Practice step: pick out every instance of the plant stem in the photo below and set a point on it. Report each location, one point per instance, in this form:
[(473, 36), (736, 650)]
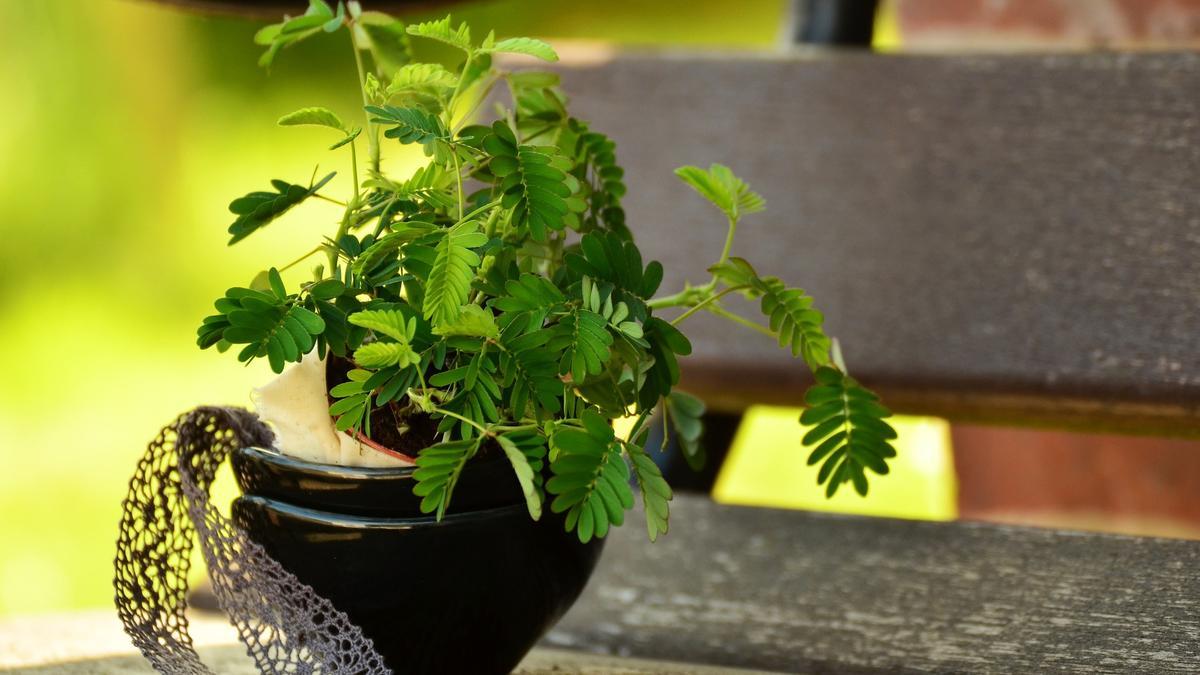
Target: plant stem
[(372, 135), (480, 427), (300, 259), (724, 313), (458, 177), (331, 200), (478, 211), (728, 241), (681, 299), (707, 302)]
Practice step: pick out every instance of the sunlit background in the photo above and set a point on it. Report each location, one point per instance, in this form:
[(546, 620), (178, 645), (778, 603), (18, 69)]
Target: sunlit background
[(126, 127)]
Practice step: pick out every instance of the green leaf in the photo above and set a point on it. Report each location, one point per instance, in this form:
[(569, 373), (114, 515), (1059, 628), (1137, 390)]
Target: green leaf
[(327, 289), (530, 370), (319, 17), (450, 276), (848, 432), (735, 272), (384, 354), (472, 321), (609, 257), (795, 322), (534, 183), (317, 116), (405, 232), (438, 469), (526, 46), (525, 474), (656, 494), (268, 324), (386, 322), (583, 339), (686, 413), (532, 294), (257, 209), (590, 478), (425, 85), (442, 31), (387, 40), (430, 183), (411, 125), (665, 343), (719, 186)]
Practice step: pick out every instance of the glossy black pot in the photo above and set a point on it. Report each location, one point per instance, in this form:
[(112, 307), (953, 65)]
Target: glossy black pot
[(471, 594)]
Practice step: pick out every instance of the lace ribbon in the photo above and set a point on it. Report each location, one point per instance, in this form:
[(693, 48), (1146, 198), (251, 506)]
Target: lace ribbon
[(285, 625)]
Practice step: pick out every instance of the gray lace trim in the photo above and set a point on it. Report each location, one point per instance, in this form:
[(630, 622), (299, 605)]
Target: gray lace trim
[(285, 625)]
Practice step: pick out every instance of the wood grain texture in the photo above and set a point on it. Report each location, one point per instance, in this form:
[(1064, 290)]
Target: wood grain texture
[(802, 592), (993, 238)]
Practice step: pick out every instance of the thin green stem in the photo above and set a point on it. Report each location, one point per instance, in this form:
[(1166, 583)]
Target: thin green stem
[(458, 177), (477, 425), (372, 132), (683, 298), (707, 302), (301, 258), (354, 168), (724, 313), (331, 200), (733, 223), (485, 207)]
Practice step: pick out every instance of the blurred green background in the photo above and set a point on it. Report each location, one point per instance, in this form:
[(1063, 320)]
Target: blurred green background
[(126, 128)]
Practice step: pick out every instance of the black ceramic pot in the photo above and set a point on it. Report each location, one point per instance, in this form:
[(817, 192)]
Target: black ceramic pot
[(471, 594)]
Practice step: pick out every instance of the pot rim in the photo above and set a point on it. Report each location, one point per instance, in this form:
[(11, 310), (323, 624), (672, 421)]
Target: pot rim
[(277, 458), (352, 522)]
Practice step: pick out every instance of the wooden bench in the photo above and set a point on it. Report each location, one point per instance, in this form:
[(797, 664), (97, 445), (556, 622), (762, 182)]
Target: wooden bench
[(999, 239)]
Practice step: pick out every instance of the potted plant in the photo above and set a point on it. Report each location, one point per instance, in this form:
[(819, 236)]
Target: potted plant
[(445, 465)]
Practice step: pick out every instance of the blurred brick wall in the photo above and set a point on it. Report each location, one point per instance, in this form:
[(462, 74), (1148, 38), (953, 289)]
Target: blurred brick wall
[(1048, 24)]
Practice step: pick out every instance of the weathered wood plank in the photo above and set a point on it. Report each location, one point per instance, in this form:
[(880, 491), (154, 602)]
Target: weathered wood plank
[(995, 238), (801, 592), (91, 643)]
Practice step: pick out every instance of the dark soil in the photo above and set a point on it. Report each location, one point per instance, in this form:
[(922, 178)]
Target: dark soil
[(387, 420)]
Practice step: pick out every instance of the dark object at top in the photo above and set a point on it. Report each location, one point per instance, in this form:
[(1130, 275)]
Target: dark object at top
[(836, 23)]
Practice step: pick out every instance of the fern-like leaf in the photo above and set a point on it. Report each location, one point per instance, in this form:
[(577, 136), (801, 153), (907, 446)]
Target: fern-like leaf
[(591, 479), (268, 324), (686, 413), (425, 85), (583, 339), (665, 343), (530, 370), (442, 31), (257, 209), (438, 469), (531, 294), (656, 493), (525, 452), (450, 275), (792, 318), (848, 430), (472, 321), (527, 46), (534, 183), (411, 125), (728, 192), (609, 257)]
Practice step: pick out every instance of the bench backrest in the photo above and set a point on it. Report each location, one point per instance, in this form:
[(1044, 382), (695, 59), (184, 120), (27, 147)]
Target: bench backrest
[(994, 238)]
